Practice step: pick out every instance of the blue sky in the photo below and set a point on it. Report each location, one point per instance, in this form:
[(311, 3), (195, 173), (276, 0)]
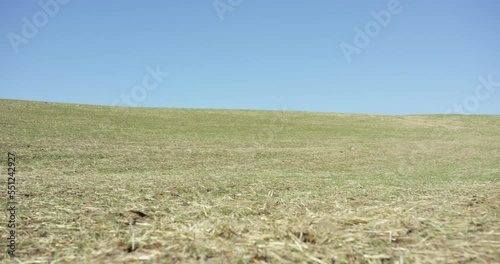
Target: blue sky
[(429, 57)]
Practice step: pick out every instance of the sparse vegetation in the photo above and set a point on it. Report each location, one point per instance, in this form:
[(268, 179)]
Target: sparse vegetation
[(132, 185)]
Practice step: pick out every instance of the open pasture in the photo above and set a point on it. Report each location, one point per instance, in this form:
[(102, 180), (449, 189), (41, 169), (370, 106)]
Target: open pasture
[(147, 185)]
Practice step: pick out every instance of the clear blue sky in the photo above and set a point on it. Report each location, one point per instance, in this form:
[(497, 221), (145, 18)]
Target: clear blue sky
[(272, 55)]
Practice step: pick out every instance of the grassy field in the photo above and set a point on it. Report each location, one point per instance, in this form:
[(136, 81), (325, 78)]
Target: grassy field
[(131, 185)]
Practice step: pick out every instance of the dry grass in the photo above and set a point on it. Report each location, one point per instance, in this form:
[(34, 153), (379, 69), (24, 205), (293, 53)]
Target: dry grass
[(117, 185)]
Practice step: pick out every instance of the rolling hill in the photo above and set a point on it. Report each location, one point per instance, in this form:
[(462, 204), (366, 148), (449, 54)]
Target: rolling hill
[(102, 184)]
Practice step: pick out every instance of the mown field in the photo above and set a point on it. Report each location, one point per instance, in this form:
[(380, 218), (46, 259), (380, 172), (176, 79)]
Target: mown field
[(132, 185)]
